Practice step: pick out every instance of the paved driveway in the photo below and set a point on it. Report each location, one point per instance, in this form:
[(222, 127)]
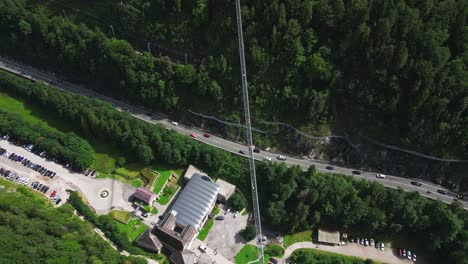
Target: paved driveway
[(224, 235), (119, 192), (350, 249)]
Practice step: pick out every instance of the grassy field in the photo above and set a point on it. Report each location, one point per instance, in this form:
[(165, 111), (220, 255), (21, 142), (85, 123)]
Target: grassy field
[(298, 237), (249, 253), (274, 250), (133, 229), (121, 216), (206, 229), (164, 174)]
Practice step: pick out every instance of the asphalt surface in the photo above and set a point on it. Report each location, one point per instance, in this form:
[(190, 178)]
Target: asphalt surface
[(427, 189)]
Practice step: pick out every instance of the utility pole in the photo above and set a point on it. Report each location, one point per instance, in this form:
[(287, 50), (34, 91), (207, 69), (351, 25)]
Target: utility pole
[(149, 48), (253, 178), (64, 15), (112, 28)]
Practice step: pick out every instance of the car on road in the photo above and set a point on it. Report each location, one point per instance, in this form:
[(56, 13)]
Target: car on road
[(267, 158), (207, 135), (329, 168), (53, 83), (442, 191), (380, 176), (242, 152), (274, 261), (219, 217), (415, 183), (174, 123), (149, 114), (281, 157), (256, 150), (356, 172), (193, 135)]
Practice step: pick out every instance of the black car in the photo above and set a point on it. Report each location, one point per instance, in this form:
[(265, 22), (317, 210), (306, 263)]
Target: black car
[(220, 218), (58, 201), (53, 83), (356, 172), (256, 150), (274, 261), (45, 189), (329, 168), (242, 152), (442, 191), (149, 114), (415, 183)]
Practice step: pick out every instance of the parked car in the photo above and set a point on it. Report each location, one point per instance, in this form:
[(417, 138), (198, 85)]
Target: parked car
[(409, 254), (356, 172), (281, 157), (267, 158), (193, 135), (274, 261), (414, 257), (371, 242), (203, 248), (415, 183), (256, 150), (380, 176), (219, 217), (242, 152), (329, 168), (207, 135), (382, 246), (52, 194), (58, 201), (174, 123), (400, 252), (442, 191)]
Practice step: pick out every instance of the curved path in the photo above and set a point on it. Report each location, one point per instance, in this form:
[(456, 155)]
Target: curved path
[(427, 189)]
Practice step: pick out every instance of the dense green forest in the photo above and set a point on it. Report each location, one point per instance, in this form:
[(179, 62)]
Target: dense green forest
[(32, 231), (64, 148), (394, 70), (292, 199)]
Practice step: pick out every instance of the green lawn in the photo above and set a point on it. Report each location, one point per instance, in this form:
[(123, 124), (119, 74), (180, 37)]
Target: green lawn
[(166, 195), (206, 229), (133, 229), (274, 250), (298, 237), (121, 216), (164, 174), (249, 253)]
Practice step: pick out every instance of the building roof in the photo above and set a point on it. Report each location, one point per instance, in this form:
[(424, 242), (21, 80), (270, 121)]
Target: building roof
[(174, 240), (191, 170), (169, 221), (144, 194), (226, 188), (149, 241), (184, 257), (195, 201), (327, 236)]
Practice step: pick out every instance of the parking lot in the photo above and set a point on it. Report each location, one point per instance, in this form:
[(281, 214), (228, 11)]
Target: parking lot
[(224, 236), (118, 192), (57, 184)]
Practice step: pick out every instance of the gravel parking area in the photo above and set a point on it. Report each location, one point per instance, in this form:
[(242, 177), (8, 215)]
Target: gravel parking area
[(119, 192), (224, 236)]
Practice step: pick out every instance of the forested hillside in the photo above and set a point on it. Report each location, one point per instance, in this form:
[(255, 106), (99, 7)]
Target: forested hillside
[(32, 231), (393, 70), (291, 199)]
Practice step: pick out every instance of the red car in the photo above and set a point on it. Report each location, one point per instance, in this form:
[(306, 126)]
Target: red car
[(207, 135), (193, 135), (400, 252), (52, 194)]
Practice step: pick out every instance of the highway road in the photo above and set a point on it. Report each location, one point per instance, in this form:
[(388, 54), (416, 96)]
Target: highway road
[(427, 189)]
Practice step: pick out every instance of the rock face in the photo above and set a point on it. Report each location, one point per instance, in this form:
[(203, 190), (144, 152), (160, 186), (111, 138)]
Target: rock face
[(349, 150)]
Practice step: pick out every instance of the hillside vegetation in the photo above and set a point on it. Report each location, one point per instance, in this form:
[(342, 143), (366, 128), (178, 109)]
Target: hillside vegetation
[(292, 200), (32, 231), (394, 70)]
